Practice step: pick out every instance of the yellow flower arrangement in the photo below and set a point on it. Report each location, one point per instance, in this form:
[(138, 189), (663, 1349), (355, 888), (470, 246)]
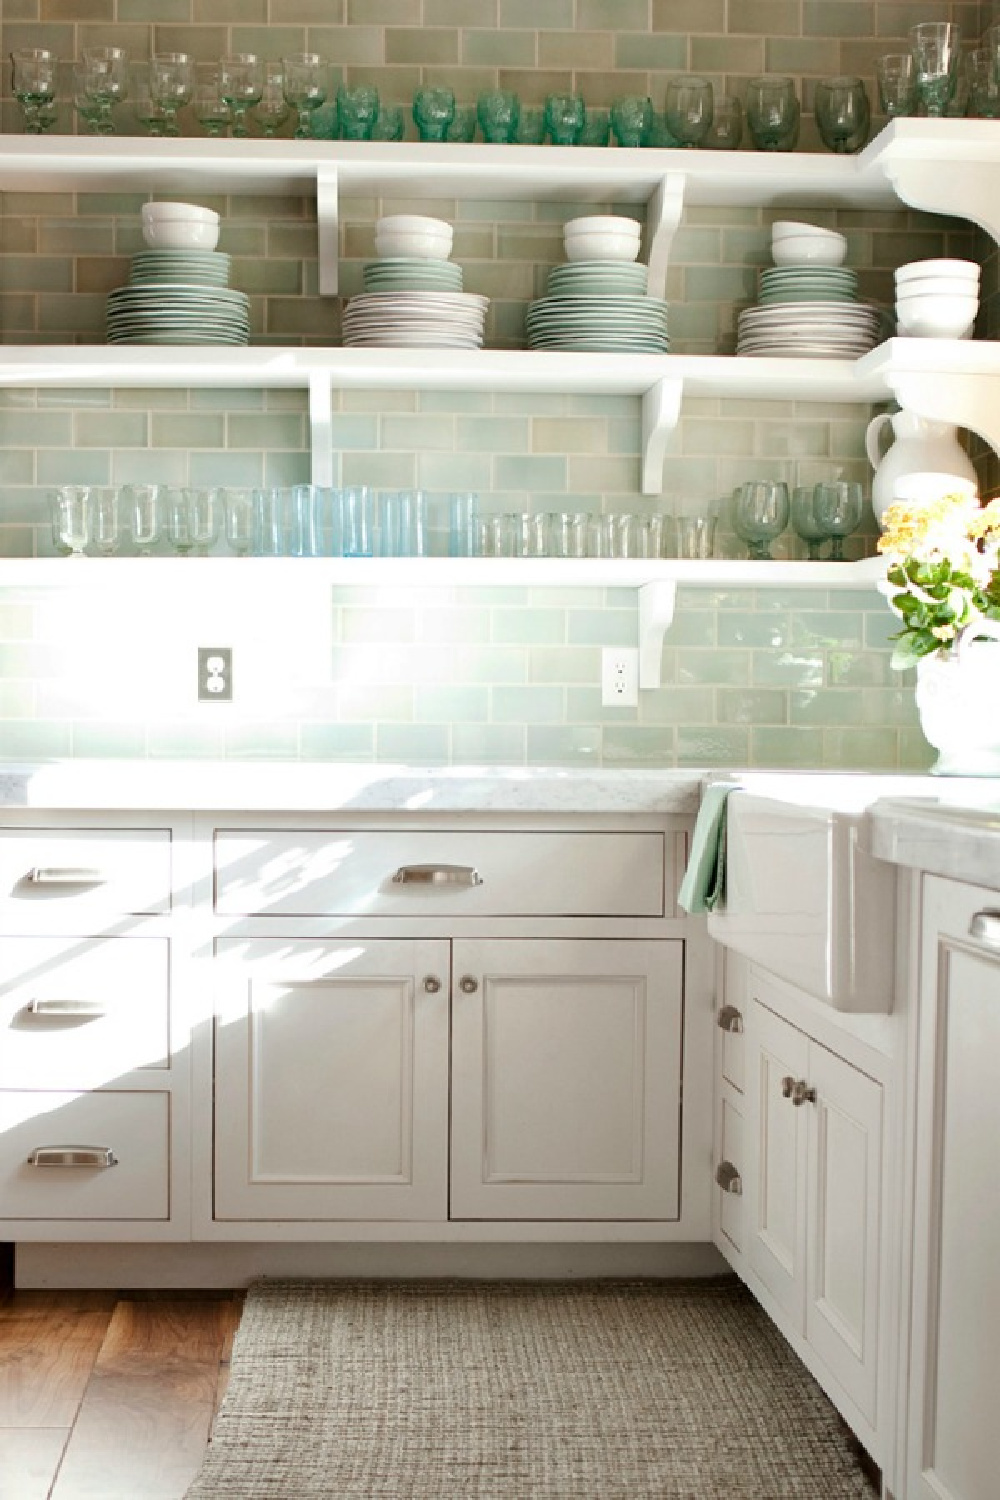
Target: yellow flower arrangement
[(943, 577)]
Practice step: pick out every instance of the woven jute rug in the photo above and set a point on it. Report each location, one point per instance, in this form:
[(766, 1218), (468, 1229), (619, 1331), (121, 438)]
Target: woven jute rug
[(568, 1391)]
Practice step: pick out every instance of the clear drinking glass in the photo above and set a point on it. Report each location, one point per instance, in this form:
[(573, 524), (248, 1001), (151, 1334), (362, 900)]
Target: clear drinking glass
[(689, 108), (843, 114), (984, 84), (805, 522), (498, 111), (304, 79), (726, 130), (70, 509), (271, 110), (463, 524), (631, 117), (237, 504), (897, 83), (34, 82), (357, 521), (171, 85), (179, 520), (773, 112), (357, 110), (936, 49), (209, 107), (241, 84), (104, 529), (839, 506), (268, 521), (433, 112), (565, 116), (761, 509), (106, 79), (696, 536), (91, 112), (142, 504), (147, 109)]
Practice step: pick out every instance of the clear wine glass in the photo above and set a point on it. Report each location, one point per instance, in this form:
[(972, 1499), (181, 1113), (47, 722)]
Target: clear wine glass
[(271, 110), (305, 88), (843, 113), (241, 85), (936, 47), (804, 521), (34, 81), (209, 107), (90, 111), (106, 81), (70, 510), (773, 112), (689, 109), (171, 85), (761, 508), (839, 506)]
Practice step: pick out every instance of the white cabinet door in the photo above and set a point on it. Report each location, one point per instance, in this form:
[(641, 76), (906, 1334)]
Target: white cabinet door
[(955, 1385), (776, 1148), (566, 1079), (331, 1079)]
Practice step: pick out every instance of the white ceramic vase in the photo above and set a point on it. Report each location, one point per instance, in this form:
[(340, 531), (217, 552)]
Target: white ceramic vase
[(958, 699)]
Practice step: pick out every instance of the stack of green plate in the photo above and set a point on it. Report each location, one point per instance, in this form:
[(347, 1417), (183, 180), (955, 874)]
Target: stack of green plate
[(163, 312), (807, 284), (411, 274), (187, 267), (598, 278), (602, 324)]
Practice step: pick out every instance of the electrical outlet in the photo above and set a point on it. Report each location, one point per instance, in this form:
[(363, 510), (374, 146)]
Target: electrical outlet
[(620, 677), (215, 674)]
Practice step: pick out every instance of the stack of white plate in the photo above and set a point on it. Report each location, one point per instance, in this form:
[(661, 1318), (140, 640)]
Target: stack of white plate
[(810, 330), (415, 320), (598, 305), (411, 273), (178, 296), (807, 284)]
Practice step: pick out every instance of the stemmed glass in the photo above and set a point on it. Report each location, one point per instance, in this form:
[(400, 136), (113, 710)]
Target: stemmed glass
[(305, 88), (148, 110), (210, 108), (804, 520), (936, 49), (631, 118), (70, 509), (241, 84), (171, 85), (34, 79), (760, 513), (565, 116), (843, 113), (433, 112), (89, 109), (838, 507), (143, 504), (105, 81), (689, 109), (357, 111), (773, 112), (271, 110), (498, 111)]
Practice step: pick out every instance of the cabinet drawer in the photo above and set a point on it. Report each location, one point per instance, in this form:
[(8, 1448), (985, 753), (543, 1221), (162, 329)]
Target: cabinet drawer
[(80, 1012), (133, 1126), (51, 879), (467, 873)]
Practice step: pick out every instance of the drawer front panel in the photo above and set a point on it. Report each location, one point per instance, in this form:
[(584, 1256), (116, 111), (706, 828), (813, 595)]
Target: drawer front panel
[(52, 879), (134, 1127), (343, 873), (80, 1012)]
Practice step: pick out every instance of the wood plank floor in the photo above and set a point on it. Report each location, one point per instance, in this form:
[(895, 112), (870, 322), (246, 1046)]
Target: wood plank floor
[(109, 1397)]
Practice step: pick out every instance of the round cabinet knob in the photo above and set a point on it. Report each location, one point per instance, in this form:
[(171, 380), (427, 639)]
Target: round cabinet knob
[(468, 985), (432, 984)]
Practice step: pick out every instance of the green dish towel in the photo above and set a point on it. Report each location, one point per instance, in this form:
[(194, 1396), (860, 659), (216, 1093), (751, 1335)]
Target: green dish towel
[(704, 883)]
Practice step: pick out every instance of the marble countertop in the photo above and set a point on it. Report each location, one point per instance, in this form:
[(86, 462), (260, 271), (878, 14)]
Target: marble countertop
[(954, 831)]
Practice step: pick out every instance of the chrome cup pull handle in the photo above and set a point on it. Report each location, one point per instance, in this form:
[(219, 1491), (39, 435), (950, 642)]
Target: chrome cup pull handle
[(84, 1010), (728, 1178), (985, 927), (460, 875), (66, 875), (729, 1019), (73, 1156)]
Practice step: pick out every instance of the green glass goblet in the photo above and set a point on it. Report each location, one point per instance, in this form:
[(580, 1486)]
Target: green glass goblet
[(565, 117), (805, 523), (631, 117), (357, 110), (498, 111), (839, 506), (936, 47), (433, 112), (843, 114), (34, 81), (761, 509)]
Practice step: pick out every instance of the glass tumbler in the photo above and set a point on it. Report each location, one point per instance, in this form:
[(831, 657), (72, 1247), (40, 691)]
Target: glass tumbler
[(726, 130), (761, 509), (357, 111), (936, 49), (238, 510), (689, 107), (142, 503), (104, 530), (565, 116), (843, 114), (773, 112), (897, 84), (70, 511), (984, 84), (433, 112), (498, 111)]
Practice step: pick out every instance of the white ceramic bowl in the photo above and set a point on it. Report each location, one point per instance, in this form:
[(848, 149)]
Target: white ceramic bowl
[(602, 245), (412, 245), (937, 317), (412, 224), (603, 223), (938, 286), (809, 250), (180, 234), (152, 211), (917, 270), (783, 229)]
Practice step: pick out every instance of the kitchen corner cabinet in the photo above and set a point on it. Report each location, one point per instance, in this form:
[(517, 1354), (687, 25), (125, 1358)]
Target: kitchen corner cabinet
[(954, 1351)]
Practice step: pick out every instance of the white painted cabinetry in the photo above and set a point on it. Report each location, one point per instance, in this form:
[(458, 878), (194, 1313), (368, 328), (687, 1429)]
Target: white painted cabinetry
[(954, 1382)]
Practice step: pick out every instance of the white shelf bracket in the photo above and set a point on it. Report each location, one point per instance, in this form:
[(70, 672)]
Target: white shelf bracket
[(967, 400), (661, 409), (328, 229), (662, 219), (656, 614), (321, 426), (962, 189)]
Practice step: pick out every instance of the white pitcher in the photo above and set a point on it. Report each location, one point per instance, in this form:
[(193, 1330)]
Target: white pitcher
[(921, 446)]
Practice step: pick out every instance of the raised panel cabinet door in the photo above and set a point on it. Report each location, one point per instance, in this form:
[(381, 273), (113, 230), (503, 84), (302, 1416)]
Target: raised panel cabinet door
[(844, 1223), (955, 1384), (776, 1138), (331, 1079), (566, 1070)]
